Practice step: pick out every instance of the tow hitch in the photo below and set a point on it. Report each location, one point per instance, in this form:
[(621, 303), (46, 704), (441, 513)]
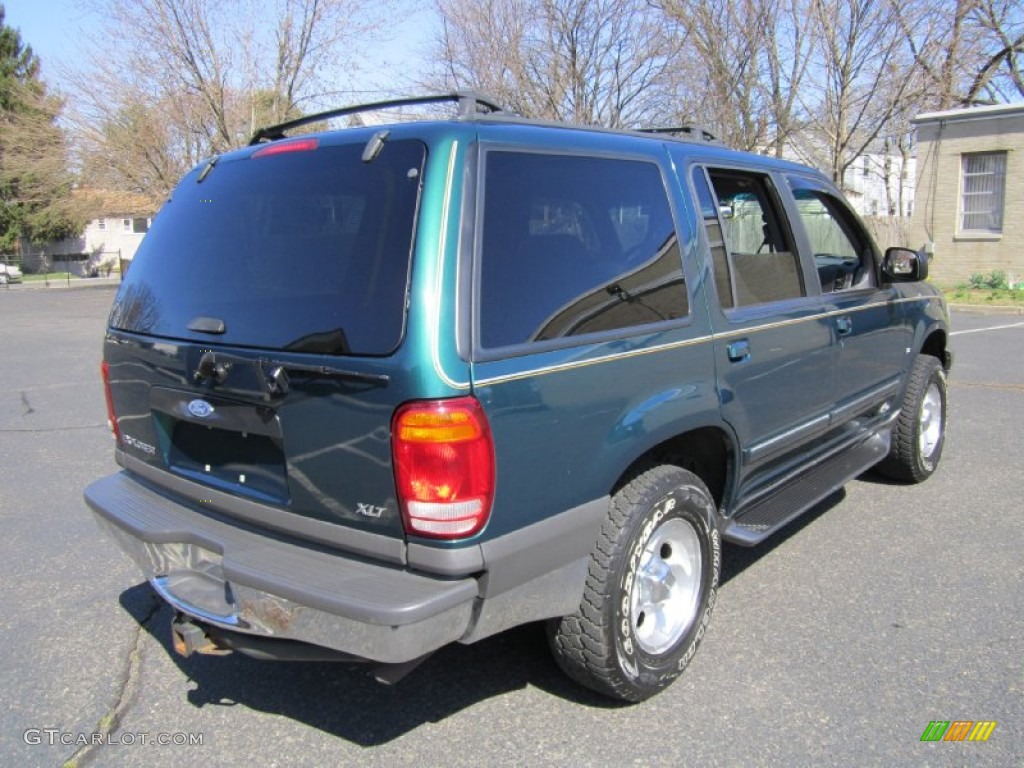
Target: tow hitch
[(190, 636)]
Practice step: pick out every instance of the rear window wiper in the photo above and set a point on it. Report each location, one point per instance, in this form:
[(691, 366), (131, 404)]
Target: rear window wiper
[(379, 379), (273, 374)]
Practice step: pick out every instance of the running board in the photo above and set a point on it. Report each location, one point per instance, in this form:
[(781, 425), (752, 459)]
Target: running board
[(766, 514)]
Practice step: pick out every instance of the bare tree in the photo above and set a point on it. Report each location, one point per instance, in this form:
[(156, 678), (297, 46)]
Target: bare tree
[(193, 78), (729, 40), (788, 54), (142, 146), (481, 45), (863, 73), (306, 40), (1001, 23), (937, 36), (741, 69), (604, 62), (968, 51)]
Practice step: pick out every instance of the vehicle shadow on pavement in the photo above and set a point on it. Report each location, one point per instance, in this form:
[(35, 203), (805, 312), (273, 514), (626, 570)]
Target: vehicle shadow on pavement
[(875, 477), (344, 699), (736, 559)]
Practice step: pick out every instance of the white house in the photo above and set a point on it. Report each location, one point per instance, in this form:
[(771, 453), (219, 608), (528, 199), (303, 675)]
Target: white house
[(111, 238), (878, 183), (881, 185)]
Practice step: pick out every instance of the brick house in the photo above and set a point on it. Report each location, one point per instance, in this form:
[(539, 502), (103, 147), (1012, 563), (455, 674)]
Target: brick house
[(969, 211)]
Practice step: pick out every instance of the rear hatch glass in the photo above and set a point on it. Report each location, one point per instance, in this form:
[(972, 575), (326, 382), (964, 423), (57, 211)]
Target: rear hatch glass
[(304, 251)]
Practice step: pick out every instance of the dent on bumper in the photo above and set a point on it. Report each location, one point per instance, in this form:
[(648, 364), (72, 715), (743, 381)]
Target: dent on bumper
[(251, 582)]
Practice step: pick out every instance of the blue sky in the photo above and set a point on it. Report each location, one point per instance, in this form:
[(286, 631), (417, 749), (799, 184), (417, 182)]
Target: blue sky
[(55, 29), (52, 27)]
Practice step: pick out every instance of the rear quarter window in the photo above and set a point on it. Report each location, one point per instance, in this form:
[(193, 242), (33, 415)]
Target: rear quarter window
[(574, 245)]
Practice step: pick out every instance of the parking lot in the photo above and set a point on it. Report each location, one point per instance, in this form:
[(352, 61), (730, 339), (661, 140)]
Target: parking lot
[(836, 642)]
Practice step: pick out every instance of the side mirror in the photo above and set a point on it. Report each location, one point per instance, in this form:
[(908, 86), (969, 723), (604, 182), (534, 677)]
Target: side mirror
[(903, 265)]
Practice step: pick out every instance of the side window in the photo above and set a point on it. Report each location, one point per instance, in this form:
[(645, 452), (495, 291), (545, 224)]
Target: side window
[(716, 240), (842, 253), (574, 245), (762, 263)]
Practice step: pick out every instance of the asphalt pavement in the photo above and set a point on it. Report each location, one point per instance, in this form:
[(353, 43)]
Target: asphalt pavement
[(836, 642)]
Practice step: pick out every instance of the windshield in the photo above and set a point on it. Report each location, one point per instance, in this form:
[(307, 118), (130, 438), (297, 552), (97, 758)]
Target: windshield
[(305, 251)]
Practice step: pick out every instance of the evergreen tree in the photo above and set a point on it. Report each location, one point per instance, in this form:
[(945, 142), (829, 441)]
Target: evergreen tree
[(35, 184)]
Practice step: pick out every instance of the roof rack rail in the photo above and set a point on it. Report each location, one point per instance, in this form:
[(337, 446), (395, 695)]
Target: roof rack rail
[(470, 103), (691, 131)]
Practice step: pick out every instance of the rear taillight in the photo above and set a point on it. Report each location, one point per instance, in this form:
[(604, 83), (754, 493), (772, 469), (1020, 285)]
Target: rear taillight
[(444, 467), (111, 416)]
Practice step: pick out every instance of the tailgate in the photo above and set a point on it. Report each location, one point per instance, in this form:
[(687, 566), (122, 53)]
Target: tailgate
[(316, 444), (249, 344)]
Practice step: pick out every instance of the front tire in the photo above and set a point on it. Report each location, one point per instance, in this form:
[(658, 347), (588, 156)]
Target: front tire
[(920, 430), (650, 588)]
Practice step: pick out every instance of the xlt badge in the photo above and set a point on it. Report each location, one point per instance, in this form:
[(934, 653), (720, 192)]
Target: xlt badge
[(369, 510)]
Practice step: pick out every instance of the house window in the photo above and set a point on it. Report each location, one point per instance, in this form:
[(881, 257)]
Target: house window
[(983, 179), (867, 167), (140, 226), (101, 224), (126, 225)]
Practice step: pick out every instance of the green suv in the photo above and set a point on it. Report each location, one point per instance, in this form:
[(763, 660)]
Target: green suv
[(380, 389)]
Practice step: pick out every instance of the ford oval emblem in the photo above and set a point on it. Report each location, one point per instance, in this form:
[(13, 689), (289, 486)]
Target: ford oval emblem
[(200, 408)]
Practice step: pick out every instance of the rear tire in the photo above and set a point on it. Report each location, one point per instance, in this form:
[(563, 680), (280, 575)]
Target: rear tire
[(919, 433), (650, 588)]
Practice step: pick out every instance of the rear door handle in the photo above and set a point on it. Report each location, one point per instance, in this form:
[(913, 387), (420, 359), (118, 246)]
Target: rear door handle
[(738, 351), (844, 325)]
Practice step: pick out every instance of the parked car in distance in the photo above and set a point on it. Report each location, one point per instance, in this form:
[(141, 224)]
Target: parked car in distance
[(380, 389), (9, 273)]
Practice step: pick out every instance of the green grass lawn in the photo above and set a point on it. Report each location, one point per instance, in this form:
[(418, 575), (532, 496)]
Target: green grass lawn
[(1005, 297)]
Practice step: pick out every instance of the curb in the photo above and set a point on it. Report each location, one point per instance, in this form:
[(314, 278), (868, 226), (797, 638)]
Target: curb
[(61, 285), (988, 309)]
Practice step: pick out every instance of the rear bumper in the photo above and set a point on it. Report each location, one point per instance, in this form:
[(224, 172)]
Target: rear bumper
[(229, 574), (249, 581)]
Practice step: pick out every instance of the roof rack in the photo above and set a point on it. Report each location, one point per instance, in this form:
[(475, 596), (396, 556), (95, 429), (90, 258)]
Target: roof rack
[(690, 131), (470, 104)]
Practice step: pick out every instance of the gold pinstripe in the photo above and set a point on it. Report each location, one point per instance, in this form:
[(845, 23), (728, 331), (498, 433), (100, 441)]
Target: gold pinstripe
[(560, 367)]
